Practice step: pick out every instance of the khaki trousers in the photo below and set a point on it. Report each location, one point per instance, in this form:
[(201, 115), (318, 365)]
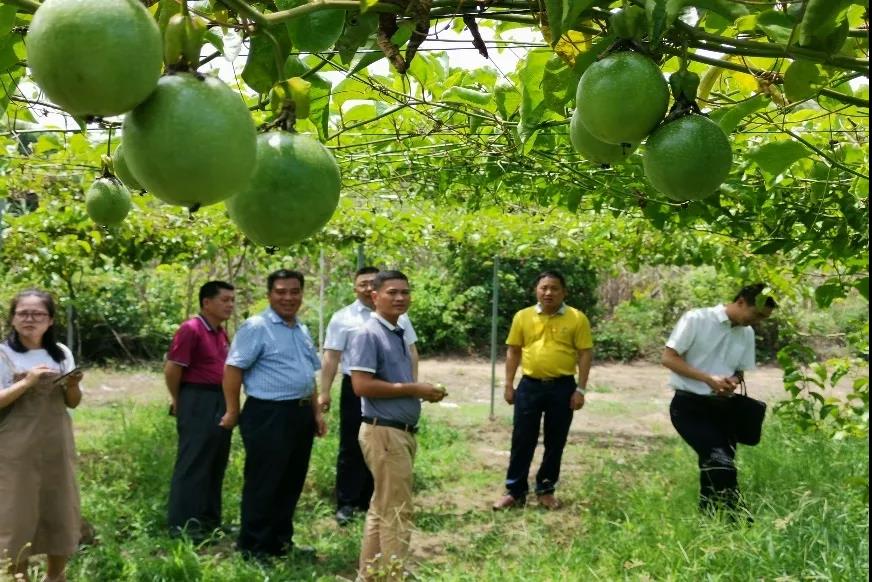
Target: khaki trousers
[(389, 455)]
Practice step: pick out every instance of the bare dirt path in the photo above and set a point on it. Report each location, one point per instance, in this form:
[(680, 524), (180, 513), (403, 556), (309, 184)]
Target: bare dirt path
[(629, 399)]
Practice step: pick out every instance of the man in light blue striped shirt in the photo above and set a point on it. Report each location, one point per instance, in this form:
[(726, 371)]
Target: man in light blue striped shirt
[(275, 358)]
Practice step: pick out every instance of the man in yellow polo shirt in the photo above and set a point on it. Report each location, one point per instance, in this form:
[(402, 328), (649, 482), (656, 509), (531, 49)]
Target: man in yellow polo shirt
[(550, 340)]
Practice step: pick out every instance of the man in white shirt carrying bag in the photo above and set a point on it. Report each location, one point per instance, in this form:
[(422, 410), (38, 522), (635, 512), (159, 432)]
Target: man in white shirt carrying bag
[(707, 353)]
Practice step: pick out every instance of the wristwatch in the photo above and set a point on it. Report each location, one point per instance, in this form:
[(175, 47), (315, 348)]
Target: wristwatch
[(581, 390)]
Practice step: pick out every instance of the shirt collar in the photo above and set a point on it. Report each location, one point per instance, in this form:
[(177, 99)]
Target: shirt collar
[(206, 323), (384, 321), (274, 317), (359, 306), (560, 310), (721, 313)]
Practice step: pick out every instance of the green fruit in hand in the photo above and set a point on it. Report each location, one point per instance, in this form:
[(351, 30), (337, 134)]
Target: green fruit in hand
[(622, 98), (122, 171), (93, 57), (292, 194), (803, 80), (316, 31), (593, 149), (107, 201), (687, 159), (192, 143)]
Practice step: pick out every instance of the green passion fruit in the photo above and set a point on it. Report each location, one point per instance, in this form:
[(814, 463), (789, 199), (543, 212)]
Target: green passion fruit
[(107, 201), (93, 57), (292, 194), (622, 98), (593, 149), (192, 143), (687, 159), (122, 172)]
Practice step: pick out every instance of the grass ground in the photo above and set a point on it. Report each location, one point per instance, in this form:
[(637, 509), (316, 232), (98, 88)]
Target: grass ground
[(629, 496)]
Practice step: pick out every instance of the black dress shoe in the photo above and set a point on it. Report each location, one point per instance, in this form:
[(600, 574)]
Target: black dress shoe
[(344, 515)]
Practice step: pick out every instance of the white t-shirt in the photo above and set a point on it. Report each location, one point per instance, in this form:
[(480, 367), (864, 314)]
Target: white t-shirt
[(707, 340), (22, 362), (349, 319)]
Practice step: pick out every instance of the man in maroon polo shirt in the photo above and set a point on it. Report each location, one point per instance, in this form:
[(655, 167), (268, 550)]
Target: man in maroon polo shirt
[(193, 373)]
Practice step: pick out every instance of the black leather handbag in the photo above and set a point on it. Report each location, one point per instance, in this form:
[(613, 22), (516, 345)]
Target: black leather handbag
[(748, 414)]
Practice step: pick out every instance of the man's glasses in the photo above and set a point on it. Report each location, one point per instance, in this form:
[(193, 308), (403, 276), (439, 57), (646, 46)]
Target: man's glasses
[(34, 315)]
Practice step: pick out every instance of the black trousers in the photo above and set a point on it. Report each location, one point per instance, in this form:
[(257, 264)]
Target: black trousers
[(278, 444), (201, 460), (354, 483), (534, 400), (706, 424)]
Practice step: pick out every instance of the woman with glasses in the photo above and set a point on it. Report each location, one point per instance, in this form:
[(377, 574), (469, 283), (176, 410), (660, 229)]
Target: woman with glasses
[(39, 504)]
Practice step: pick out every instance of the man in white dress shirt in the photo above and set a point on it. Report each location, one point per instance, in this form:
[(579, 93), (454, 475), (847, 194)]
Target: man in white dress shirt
[(354, 483), (707, 353)]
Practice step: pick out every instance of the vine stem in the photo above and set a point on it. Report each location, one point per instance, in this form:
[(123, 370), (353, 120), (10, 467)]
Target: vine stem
[(26, 5), (841, 97)]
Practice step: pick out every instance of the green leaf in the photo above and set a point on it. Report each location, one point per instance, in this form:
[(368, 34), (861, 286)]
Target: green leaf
[(531, 72), (726, 8), (7, 18), (8, 58), (358, 28), (770, 247), (656, 12), (261, 71), (826, 293), (558, 84), (373, 53), (776, 25), (362, 110), (215, 40), (729, 117), (776, 157), (467, 96), (572, 9), (747, 23), (366, 5), (863, 287), (507, 99), (554, 11)]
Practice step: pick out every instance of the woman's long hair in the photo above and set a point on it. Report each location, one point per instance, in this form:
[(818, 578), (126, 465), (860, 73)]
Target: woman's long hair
[(49, 341)]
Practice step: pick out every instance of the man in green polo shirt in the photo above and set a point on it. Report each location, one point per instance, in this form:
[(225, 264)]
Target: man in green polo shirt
[(550, 340)]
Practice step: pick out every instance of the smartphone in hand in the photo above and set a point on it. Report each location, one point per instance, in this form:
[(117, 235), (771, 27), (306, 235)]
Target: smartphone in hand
[(63, 377)]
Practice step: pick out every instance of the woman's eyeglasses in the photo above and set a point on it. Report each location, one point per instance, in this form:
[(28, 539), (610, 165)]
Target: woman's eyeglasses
[(34, 315)]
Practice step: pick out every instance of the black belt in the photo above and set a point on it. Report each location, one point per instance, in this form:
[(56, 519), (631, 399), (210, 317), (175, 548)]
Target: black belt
[(200, 386), (389, 423), (293, 402), (549, 380)]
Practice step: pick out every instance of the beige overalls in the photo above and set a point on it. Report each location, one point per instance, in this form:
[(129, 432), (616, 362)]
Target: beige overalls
[(39, 496)]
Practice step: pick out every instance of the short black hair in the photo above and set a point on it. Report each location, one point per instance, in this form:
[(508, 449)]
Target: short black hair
[(552, 274), (750, 293), (212, 289), (383, 276), (284, 274), (365, 271)]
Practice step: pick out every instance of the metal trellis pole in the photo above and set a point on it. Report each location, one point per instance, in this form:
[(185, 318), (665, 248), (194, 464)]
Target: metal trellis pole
[(494, 305), (361, 256), (323, 277)]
